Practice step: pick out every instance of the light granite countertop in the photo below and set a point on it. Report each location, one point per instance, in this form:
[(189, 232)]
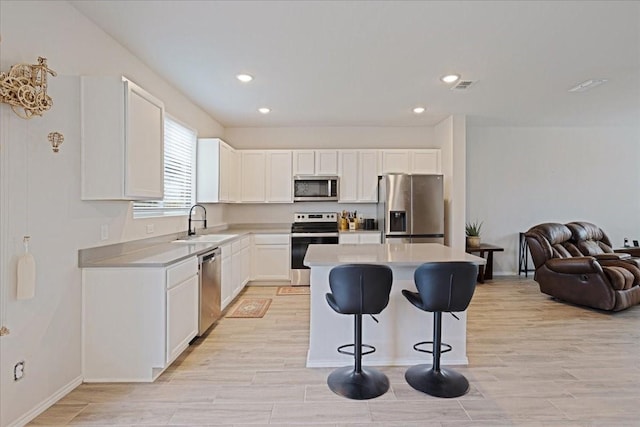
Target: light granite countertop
[(398, 254), (161, 253)]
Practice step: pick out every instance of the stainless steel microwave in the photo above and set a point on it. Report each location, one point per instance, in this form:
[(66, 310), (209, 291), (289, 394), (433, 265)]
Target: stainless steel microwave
[(315, 188)]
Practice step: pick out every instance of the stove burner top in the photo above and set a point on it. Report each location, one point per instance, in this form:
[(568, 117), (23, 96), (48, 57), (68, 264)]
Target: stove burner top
[(314, 222)]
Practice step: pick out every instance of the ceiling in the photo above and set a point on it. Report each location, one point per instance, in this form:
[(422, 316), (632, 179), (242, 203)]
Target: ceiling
[(356, 63)]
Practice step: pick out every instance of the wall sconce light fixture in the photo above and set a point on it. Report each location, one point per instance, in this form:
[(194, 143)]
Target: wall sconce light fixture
[(56, 139)]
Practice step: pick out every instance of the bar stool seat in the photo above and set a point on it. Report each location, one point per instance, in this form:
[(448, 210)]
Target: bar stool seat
[(442, 287), (358, 289)]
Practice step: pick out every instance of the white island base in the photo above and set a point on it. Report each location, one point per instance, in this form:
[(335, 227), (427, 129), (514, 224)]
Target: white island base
[(401, 324)]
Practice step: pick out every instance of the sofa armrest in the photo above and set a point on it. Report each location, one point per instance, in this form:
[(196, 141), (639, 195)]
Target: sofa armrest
[(612, 256), (574, 265), (631, 251)]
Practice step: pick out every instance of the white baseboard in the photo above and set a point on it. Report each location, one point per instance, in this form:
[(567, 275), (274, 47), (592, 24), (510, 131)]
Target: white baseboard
[(46, 404)]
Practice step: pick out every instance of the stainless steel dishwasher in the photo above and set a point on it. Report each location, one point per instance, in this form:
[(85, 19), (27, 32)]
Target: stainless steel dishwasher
[(210, 266)]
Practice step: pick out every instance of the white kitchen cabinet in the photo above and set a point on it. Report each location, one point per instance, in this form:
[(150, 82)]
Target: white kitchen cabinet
[(358, 176), (304, 162), (122, 141), (326, 162), (235, 176), (136, 321), (182, 319), (359, 237), (394, 161), (368, 176), (215, 171), (254, 172), (425, 161), (348, 172), (245, 260), (240, 263), (227, 286), (419, 161), (271, 257), (315, 162), (279, 177), (266, 176)]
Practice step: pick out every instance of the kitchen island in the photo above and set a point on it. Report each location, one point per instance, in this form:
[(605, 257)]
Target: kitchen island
[(401, 324)]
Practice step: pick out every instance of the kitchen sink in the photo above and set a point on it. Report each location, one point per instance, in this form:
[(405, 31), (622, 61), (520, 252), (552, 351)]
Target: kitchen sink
[(206, 238)]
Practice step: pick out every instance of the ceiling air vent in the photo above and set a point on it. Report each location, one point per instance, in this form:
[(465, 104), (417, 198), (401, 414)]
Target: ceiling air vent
[(463, 85)]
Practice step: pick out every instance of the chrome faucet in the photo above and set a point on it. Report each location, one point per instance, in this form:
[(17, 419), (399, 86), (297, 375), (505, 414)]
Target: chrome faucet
[(193, 232)]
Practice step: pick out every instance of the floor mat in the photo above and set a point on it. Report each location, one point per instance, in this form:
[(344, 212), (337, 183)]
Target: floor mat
[(250, 308)]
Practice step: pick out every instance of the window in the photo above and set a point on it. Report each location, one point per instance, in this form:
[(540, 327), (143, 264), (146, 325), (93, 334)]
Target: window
[(179, 172)]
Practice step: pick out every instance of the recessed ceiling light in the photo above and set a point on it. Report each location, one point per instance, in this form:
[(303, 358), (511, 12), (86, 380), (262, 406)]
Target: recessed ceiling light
[(450, 78), (264, 110), (418, 110), (244, 78), (587, 85)]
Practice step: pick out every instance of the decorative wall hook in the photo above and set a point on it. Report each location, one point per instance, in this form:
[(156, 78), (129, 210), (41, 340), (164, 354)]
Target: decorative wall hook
[(56, 139), (24, 87)]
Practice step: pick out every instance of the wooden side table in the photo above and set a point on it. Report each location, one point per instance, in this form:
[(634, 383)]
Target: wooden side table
[(485, 272)]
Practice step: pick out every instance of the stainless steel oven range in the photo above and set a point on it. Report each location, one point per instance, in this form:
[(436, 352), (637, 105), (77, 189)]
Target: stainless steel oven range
[(310, 228)]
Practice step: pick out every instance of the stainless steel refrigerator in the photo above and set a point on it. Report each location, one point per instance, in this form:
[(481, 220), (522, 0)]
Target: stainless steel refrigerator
[(411, 208)]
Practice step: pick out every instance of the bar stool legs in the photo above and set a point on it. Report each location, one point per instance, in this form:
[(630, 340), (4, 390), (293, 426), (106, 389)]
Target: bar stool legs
[(357, 382), (432, 379)]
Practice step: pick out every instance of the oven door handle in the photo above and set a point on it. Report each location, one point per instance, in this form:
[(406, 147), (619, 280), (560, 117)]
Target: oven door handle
[(294, 235)]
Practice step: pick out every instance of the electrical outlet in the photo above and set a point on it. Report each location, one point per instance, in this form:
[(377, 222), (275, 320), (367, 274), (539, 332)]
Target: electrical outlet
[(104, 232), (150, 228), (18, 371)]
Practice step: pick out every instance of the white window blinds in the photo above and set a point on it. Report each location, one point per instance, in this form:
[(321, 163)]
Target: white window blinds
[(179, 172)]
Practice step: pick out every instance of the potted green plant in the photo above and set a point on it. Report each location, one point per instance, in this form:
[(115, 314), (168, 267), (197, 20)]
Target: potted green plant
[(472, 230)]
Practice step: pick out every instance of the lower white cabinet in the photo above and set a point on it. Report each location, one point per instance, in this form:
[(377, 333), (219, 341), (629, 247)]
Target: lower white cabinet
[(359, 238), (182, 319), (227, 287), (136, 321), (240, 264), (271, 258)]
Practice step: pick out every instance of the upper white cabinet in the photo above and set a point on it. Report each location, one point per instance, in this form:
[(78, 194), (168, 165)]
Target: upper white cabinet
[(315, 162), (279, 177), (358, 170), (304, 162), (253, 182), (122, 141), (266, 176), (424, 161), (394, 161), (215, 171)]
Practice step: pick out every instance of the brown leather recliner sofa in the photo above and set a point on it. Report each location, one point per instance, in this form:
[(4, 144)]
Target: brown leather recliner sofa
[(576, 263)]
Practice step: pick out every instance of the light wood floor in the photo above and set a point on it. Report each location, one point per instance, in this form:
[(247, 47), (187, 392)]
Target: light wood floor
[(533, 362)]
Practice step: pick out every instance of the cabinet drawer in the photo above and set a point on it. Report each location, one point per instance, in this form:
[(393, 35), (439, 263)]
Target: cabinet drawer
[(181, 272), (226, 250), (271, 239)]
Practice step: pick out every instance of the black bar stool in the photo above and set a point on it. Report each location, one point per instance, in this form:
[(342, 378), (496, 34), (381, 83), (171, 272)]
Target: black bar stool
[(359, 289), (442, 287)]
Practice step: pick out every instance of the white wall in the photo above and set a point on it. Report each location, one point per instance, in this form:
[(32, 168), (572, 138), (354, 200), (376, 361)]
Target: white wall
[(520, 177), (41, 196)]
